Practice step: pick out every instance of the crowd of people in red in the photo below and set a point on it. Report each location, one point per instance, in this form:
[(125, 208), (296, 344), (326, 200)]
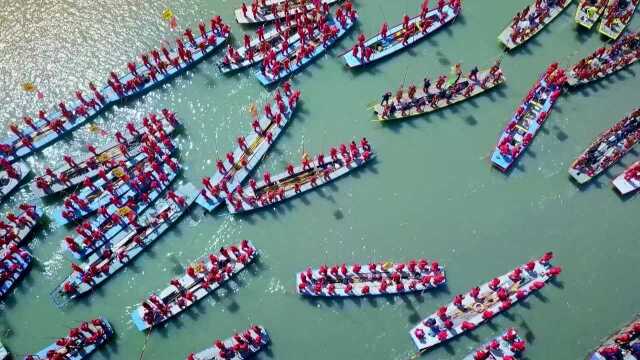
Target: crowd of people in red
[(515, 343), (87, 334), (527, 22), (219, 269), (607, 60), (379, 276), (254, 336), (271, 192), (550, 85)]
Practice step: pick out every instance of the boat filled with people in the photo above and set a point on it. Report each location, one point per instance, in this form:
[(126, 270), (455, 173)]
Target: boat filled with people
[(299, 179), (624, 344), (157, 67), (79, 343), (508, 346), (607, 148), (236, 167), (15, 229), (11, 175), (240, 346), (309, 46), (385, 278), (467, 311), (14, 264), (629, 180), (261, 11), (530, 21), (528, 118), (401, 36), (442, 93), (147, 170), (589, 12), (112, 219), (617, 16), (125, 147), (124, 247), (200, 279), (606, 61)]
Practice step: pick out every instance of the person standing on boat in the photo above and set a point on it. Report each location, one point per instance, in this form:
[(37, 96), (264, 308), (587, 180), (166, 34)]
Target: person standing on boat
[(385, 98)]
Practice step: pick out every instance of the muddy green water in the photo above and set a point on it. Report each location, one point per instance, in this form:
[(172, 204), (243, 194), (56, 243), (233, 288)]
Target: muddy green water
[(431, 193)]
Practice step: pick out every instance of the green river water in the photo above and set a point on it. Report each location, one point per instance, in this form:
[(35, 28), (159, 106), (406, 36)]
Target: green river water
[(430, 193)]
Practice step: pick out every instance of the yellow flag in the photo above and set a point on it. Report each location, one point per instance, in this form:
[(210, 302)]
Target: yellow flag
[(29, 87), (167, 14)]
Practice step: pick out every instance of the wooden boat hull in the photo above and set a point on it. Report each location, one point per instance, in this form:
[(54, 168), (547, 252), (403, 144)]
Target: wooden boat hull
[(285, 180), (258, 146), (105, 154), (501, 353), (587, 15), (22, 232), (48, 136), (25, 263), (530, 122), (111, 229), (617, 27), (99, 196), (626, 352), (8, 184), (393, 43), (505, 35), (264, 15), (213, 353), (86, 350), (472, 311), (365, 277), (272, 37), (189, 283), (626, 57), (269, 79), (124, 241), (626, 186), (607, 149), (412, 111)]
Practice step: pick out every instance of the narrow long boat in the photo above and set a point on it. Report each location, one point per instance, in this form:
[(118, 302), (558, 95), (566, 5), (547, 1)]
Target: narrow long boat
[(115, 219), (238, 347), (204, 277), (616, 17), (482, 303), (607, 148), (123, 248), (435, 99), (589, 12), (4, 353), (18, 227), (118, 183), (282, 9), (79, 344), (528, 118), (606, 61), (527, 23), (624, 344), (248, 56), (14, 264), (507, 346), (300, 179), (246, 157), (629, 180), (106, 157), (53, 125), (393, 42), (9, 180), (295, 59), (385, 278)]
